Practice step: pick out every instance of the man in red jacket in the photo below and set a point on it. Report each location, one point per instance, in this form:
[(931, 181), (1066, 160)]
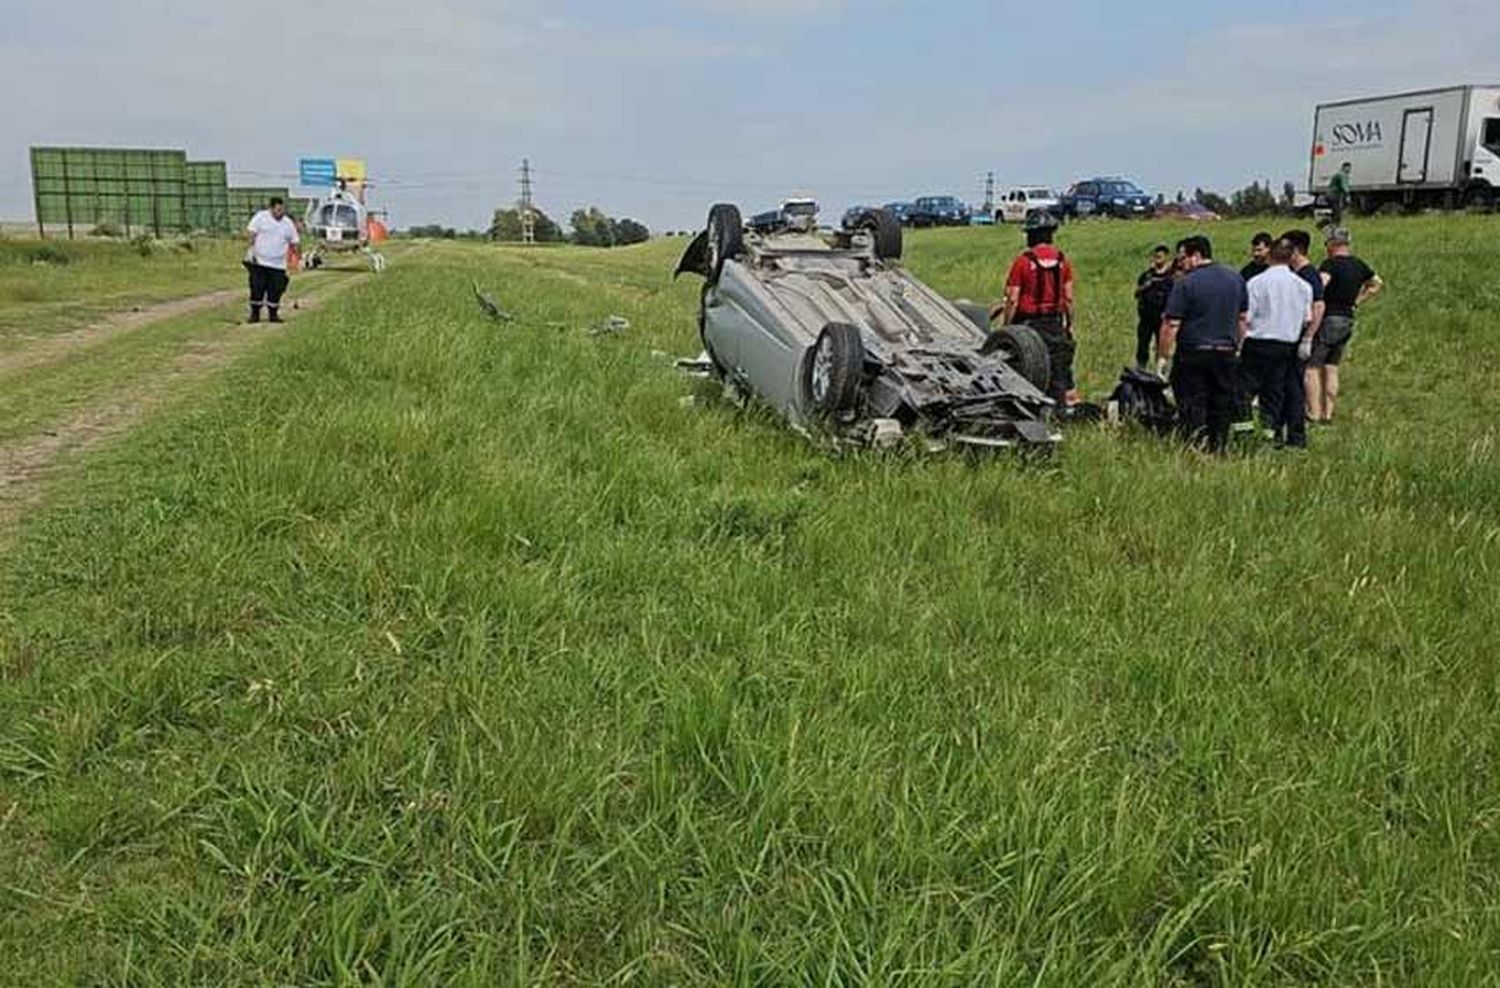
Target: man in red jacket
[(1039, 294)]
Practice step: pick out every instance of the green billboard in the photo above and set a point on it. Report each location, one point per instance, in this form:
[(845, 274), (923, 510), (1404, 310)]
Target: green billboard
[(131, 189), (208, 196)]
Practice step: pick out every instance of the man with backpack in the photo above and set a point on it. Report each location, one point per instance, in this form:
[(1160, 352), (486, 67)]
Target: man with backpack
[(1039, 294)]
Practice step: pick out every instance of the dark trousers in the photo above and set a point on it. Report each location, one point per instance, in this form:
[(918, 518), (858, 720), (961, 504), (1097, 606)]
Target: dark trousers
[(266, 288), (1272, 373), (1205, 383), (1339, 204), (1145, 336), (1060, 351)]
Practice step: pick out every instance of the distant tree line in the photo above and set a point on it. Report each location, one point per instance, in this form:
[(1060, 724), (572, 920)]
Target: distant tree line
[(436, 231), (1255, 199), (591, 228)]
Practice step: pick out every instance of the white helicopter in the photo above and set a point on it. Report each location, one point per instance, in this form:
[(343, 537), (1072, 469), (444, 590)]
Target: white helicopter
[(340, 224)]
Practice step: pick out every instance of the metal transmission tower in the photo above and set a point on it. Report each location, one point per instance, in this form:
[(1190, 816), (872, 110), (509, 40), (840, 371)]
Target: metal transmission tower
[(528, 213), (989, 193)]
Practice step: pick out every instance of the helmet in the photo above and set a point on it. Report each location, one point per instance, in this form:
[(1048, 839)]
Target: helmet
[(1040, 219)]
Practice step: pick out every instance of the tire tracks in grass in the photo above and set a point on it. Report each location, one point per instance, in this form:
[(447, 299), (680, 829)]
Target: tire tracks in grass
[(28, 463), (39, 351), (46, 349)]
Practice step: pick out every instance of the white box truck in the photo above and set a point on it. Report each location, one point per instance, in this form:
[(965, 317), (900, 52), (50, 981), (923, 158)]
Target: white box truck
[(1438, 147)]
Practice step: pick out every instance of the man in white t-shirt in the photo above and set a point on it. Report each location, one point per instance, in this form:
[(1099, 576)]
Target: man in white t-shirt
[(1279, 320), (271, 236)]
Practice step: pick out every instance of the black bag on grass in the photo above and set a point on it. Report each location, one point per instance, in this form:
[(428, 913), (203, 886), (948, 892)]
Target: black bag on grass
[(1142, 397)]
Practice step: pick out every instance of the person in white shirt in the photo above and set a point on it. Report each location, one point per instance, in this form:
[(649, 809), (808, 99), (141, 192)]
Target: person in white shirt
[(271, 236), (1279, 323)]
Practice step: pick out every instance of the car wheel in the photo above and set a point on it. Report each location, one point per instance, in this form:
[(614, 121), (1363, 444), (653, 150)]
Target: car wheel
[(1025, 351), (886, 231), (726, 238), (835, 370)]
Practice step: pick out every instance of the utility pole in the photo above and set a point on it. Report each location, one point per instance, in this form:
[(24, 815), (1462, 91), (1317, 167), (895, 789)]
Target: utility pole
[(989, 193), (528, 215)]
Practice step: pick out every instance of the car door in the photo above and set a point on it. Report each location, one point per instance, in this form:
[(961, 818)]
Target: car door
[(1416, 146)]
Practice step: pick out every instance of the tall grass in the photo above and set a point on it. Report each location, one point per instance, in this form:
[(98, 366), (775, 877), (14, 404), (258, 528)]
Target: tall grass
[(48, 285), (431, 650)]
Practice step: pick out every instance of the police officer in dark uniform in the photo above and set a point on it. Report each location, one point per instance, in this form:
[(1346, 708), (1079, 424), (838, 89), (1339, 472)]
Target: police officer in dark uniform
[(1039, 294)]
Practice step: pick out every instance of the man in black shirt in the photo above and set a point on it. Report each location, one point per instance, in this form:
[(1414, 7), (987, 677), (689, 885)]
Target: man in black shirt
[(1151, 291), (1205, 320), (1348, 282), (1260, 256)]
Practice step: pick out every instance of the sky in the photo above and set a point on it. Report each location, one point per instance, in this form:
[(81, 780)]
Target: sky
[(655, 109)]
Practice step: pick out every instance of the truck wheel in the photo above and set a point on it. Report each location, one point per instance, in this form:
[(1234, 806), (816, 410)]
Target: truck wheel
[(835, 370), (726, 238), (886, 231), (1025, 351), (1480, 199)]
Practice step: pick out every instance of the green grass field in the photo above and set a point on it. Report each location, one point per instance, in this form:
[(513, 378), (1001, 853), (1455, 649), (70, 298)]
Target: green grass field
[(420, 649), (57, 284)]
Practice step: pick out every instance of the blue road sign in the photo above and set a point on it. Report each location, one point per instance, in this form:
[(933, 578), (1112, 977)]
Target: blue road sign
[(318, 172)]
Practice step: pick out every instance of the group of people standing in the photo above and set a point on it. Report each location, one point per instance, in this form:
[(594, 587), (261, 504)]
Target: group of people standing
[(1274, 332)]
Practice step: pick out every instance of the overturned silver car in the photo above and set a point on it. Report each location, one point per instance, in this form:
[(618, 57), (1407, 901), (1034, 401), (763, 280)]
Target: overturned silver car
[(828, 329)]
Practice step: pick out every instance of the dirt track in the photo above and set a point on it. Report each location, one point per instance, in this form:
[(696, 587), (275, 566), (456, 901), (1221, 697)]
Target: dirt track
[(28, 463), (47, 349)]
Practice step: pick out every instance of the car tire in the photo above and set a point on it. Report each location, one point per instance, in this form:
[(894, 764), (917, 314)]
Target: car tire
[(1025, 351), (834, 371), (886, 231), (726, 238)]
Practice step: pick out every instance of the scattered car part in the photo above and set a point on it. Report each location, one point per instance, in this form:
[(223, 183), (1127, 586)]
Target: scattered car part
[(610, 326), (490, 306)]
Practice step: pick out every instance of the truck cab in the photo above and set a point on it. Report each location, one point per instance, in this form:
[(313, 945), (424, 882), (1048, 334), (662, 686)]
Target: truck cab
[(1483, 172)]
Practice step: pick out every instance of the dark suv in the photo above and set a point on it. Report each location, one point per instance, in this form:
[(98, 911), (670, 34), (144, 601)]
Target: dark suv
[(1113, 197), (938, 211)]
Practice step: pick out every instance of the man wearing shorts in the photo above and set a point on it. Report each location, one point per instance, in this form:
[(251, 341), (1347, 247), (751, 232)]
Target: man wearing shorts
[(1348, 283)]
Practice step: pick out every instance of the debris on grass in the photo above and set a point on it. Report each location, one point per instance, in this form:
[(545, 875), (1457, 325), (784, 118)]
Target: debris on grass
[(700, 366), (490, 306), (610, 326)]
